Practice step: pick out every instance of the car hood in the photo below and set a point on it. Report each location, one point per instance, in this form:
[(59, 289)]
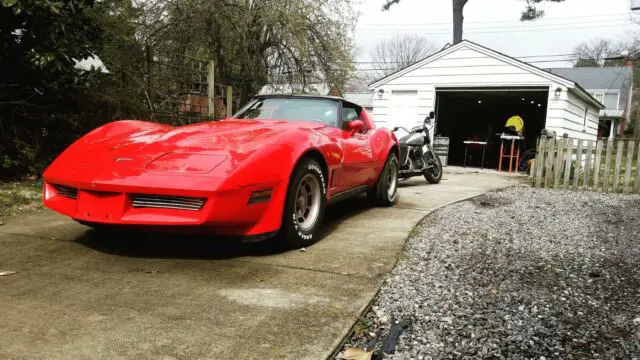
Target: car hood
[(176, 149)]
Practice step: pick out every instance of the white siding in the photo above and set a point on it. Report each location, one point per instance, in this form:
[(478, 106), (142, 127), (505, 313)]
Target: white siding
[(462, 68), (566, 114)]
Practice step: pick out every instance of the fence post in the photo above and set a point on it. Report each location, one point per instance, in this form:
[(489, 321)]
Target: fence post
[(636, 186), (567, 164), (616, 173), (548, 176), (627, 170), (607, 165), (576, 173), (557, 172), (229, 101), (211, 90), (597, 163), (587, 165), (539, 162)]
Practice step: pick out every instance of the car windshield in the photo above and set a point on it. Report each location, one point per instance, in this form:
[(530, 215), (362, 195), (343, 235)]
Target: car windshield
[(292, 109)]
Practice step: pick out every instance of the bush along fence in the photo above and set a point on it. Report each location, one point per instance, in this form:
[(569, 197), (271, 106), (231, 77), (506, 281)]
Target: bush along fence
[(603, 165)]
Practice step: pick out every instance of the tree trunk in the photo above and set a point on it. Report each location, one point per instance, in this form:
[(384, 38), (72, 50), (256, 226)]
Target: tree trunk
[(458, 7)]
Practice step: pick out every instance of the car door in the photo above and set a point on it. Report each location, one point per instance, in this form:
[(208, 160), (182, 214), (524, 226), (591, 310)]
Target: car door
[(357, 164)]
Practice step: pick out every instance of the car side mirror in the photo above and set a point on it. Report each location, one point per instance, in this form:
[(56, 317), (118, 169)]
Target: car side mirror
[(356, 125)]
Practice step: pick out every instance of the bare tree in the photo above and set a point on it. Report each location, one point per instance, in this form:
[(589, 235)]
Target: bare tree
[(596, 52), (255, 42), (399, 52)]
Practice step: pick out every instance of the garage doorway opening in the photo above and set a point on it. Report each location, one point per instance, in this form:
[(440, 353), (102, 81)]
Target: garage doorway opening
[(481, 114)]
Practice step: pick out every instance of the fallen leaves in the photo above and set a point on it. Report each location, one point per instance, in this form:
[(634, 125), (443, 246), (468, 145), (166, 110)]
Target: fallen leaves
[(357, 354)]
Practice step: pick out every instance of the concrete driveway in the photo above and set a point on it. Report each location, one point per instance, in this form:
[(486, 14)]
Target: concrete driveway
[(83, 295)]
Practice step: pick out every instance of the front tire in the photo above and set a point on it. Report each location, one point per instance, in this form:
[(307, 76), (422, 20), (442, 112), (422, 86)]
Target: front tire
[(433, 174), (385, 192), (305, 205)]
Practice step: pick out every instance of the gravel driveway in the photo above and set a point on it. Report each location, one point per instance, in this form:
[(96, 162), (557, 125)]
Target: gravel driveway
[(520, 274)]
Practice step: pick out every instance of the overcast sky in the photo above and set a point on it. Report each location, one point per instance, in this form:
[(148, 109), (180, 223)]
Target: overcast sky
[(495, 24)]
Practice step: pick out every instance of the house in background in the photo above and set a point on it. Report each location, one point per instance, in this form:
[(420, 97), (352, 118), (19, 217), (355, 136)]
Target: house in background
[(364, 99), (613, 87), (474, 90)]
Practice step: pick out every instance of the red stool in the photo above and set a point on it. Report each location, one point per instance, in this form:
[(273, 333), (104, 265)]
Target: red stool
[(514, 139)]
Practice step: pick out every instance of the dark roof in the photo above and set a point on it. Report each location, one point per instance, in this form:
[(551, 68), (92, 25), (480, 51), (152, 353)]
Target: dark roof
[(318, 97), (596, 77)]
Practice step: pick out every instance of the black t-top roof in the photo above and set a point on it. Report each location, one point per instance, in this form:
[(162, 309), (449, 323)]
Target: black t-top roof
[(318, 97)]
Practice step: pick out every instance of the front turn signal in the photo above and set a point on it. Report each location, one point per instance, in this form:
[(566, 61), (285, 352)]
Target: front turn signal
[(260, 196)]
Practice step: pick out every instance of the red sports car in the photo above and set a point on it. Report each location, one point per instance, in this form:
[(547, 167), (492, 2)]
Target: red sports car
[(271, 168)]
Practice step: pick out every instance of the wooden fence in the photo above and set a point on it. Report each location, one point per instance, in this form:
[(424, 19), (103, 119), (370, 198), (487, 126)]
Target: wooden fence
[(605, 165)]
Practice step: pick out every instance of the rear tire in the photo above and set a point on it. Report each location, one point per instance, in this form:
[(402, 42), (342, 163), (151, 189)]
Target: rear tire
[(385, 192), (305, 205), (434, 174)]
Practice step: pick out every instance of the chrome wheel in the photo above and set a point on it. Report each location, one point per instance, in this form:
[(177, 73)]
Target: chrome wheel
[(436, 168), (307, 206), (392, 178)]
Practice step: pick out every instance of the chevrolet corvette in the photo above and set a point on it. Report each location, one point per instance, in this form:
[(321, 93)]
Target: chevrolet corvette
[(271, 168)]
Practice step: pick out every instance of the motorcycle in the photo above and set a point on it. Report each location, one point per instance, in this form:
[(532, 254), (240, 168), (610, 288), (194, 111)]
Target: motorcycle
[(414, 160)]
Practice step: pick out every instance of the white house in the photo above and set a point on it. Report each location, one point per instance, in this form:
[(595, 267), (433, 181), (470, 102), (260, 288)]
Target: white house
[(613, 87), (474, 90)]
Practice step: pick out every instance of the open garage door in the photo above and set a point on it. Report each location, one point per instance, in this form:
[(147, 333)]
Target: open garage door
[(480, 114)]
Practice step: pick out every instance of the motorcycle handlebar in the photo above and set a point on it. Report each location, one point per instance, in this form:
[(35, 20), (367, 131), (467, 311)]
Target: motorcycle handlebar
[(401, 127)]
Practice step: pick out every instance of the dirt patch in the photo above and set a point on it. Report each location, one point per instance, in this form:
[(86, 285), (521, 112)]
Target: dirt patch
[(490, 200), (20, 197)]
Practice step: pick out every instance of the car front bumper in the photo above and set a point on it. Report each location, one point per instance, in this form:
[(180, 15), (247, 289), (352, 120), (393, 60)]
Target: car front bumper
[(233, 211)]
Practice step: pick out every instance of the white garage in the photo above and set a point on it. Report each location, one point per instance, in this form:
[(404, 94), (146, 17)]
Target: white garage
[(474, 90)]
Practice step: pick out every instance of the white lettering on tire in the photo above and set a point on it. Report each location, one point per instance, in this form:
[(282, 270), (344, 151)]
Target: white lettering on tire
[(318, 171)]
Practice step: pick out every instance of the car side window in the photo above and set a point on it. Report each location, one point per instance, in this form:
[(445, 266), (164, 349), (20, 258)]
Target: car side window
[(350, 114)]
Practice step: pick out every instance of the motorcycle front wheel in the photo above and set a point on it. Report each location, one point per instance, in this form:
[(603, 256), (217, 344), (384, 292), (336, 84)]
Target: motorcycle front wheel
[(434, 173)]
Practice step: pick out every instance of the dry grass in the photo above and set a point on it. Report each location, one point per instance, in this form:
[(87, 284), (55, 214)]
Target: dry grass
[(20, 197)]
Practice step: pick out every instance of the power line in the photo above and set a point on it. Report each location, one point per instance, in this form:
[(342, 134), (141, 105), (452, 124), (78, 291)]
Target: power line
[(539, 21), (529, 62), (519, 26), (472, 57), (447, 32)]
